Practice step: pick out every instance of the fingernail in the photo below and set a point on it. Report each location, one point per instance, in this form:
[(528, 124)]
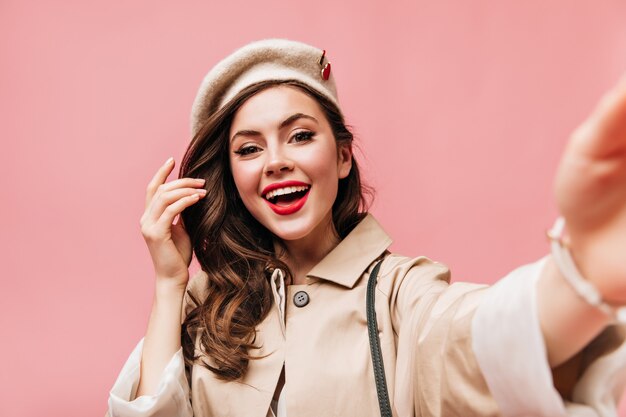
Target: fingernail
[(200, 180), (169, 160)]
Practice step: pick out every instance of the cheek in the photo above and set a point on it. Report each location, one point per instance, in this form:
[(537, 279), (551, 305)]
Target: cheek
[(246, 177), (322, 163), (321, 167)]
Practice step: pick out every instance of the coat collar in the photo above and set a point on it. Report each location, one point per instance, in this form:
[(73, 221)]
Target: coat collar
[(347, 261)]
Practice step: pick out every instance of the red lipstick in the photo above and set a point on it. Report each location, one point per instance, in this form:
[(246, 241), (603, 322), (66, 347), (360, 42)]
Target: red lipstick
[(281, 185), (292, 208), (283, 210)]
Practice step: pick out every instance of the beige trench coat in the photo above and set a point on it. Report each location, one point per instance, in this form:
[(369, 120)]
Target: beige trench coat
[(428, 332)]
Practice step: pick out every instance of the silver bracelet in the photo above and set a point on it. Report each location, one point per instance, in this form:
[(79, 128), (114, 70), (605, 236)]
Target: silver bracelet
[(583, 288)]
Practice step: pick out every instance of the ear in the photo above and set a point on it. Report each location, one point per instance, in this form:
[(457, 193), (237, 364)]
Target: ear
[(344, 160)]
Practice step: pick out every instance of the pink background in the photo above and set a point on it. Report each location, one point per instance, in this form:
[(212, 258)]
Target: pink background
[(461, 110)]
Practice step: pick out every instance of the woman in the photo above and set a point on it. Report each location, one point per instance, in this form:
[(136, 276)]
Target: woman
[(275, 324)]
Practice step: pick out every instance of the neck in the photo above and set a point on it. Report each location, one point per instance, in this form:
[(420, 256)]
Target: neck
[(303, 254)]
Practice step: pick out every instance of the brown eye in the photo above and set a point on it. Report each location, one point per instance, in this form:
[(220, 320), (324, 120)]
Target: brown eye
[(247, 150), (302, 136)]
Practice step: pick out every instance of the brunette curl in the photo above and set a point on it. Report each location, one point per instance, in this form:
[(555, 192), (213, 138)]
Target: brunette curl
[(234, 249)]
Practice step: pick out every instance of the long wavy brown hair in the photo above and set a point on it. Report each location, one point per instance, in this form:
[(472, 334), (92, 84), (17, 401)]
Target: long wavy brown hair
[(234, 249)]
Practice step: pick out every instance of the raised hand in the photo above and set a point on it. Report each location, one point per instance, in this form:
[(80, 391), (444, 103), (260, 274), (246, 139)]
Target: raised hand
[(591, 194), (168, 243)]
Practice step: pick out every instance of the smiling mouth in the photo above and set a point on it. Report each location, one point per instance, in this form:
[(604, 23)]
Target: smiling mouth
[(287, 200), (284, 197)]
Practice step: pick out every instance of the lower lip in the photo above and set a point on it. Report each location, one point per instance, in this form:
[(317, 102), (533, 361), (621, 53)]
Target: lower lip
[(290, 209)]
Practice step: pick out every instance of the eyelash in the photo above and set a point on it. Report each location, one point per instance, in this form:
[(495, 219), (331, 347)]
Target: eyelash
[(244, 151), (308, 135), (247, 150)]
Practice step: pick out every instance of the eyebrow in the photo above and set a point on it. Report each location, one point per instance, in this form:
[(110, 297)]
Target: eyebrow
[(289, 120)]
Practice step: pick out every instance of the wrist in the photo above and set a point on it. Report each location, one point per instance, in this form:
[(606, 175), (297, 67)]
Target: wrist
[(167, 288), (571, 272)]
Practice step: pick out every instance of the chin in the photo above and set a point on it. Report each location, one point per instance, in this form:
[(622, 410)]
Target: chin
[(310, 220), (295, 229)]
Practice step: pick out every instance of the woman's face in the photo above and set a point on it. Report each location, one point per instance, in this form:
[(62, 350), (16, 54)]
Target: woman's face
[(285, 162)]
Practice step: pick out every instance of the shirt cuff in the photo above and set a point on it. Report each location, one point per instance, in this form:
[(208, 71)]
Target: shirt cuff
[(170, 400), (521, 380), (510, 349)]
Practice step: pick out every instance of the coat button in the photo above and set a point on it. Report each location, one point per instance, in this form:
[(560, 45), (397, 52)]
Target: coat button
[(301, 298)]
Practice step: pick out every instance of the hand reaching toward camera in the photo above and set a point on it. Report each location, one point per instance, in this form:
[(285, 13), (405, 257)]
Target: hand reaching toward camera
[(591, 195)]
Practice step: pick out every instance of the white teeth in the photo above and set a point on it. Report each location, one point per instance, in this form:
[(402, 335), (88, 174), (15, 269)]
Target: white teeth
[(285, 190)]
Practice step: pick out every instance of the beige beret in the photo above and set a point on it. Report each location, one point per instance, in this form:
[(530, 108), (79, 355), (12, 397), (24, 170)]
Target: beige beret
[(268, 59)]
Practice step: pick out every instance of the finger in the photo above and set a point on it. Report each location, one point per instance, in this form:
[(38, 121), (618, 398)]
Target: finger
[(612, 107), (164, 199), (179, 226), (178, 220), (159, 178), (181, 183), (165, 221), (604, 132)]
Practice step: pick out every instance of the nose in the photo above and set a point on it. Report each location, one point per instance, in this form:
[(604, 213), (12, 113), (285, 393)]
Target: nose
[(278, 162)]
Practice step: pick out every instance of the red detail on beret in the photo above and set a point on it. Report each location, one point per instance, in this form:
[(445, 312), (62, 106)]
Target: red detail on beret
[(326, 71)]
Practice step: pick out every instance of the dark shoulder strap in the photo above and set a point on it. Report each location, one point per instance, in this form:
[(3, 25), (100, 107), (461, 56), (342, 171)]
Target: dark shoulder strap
[(377, 357)]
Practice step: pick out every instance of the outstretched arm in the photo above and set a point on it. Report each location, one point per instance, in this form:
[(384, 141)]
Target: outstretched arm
[(590, 190)]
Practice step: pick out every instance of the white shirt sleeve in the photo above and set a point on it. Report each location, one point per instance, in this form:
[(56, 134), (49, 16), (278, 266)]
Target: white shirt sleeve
[(170, 400), (512, 355)]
